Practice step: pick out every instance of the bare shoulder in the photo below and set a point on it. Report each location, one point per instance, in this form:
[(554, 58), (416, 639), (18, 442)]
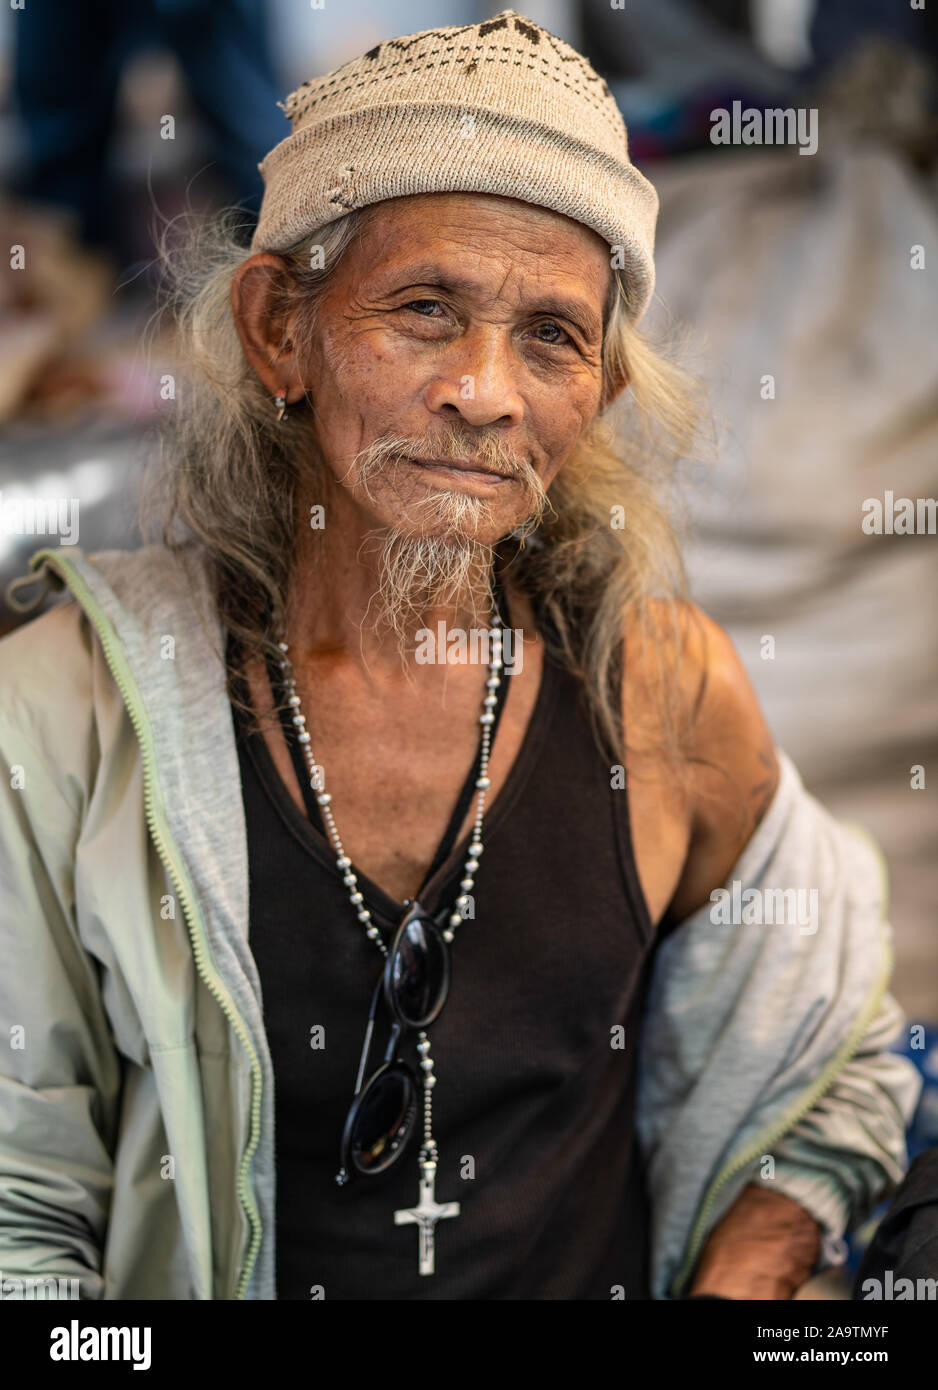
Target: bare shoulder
[(736, 770), (696, 731)]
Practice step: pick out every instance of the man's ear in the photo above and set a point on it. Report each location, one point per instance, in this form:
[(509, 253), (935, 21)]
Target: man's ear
[(256, 303)]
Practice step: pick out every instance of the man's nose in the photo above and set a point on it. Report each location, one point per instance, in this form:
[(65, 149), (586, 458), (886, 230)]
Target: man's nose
[(478, 379)]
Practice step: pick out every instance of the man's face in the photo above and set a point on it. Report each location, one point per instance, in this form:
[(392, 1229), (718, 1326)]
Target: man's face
[(461, 327)]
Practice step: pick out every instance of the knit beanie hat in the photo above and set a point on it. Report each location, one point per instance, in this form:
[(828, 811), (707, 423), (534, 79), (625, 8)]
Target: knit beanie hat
[(500, 107)]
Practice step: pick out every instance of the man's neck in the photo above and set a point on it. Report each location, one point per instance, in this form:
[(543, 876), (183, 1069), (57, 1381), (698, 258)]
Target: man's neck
[(334, 605)]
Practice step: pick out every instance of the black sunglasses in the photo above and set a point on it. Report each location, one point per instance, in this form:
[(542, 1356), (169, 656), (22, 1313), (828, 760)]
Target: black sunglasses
[(415, 984)]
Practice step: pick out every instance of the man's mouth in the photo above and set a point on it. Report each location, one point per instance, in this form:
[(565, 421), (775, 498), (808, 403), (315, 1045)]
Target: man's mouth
[(465, 468)]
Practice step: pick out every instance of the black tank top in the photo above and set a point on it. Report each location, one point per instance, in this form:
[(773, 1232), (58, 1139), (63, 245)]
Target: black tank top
[(533, 1109)]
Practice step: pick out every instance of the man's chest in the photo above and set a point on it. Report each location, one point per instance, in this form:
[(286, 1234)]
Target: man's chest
[(395, 767)]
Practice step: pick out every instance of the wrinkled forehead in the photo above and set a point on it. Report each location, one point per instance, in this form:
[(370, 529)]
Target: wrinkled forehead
[(478, 241)]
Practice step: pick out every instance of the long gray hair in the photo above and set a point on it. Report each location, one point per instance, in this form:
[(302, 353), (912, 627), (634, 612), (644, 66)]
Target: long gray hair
[(605, 555)]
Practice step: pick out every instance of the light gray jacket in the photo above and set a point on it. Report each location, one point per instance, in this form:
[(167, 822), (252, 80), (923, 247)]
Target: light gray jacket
[(130, 1017)]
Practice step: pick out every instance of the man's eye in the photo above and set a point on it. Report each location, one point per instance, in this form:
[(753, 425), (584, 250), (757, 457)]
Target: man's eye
[(560, 337), (420, 306)]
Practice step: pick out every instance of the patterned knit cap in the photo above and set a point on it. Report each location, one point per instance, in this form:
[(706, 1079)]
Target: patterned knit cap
[(500, 107)]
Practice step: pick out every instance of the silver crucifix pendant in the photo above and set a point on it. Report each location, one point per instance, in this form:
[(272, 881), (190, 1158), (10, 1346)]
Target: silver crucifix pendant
[(426, 1214)]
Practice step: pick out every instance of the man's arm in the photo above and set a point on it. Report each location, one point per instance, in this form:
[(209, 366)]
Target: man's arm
[(734, 771), (60, 1073), (766, 1245)]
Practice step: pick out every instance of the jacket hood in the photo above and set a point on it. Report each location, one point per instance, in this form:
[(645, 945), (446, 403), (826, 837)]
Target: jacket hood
[(158, 623)]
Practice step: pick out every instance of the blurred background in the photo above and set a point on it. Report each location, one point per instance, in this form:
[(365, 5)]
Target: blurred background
[(806, 284)]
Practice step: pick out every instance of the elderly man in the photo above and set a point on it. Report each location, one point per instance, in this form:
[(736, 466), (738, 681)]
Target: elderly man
[(402, 893)]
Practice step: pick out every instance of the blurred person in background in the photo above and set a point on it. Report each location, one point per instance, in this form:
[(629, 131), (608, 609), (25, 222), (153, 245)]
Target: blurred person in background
[(68, 61), (78, 216)]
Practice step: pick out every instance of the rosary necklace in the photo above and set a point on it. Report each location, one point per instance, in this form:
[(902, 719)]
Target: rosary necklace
[(427, 1211)]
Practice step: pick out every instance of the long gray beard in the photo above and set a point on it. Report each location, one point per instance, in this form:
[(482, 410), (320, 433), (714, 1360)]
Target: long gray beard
[(449, 568), (420, 575)]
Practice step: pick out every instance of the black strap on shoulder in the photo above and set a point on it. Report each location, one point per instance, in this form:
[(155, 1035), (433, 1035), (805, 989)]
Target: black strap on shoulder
[(444, 849)]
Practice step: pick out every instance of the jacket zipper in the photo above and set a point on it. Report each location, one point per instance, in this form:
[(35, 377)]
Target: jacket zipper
[(127, 686), (777, 1128)]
